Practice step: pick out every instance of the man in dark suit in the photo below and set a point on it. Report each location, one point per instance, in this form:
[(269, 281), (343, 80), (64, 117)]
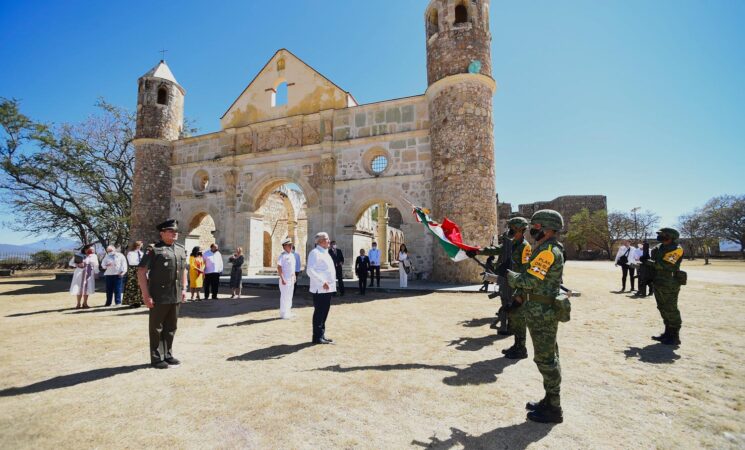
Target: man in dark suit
[(361, 268), (338, 258)]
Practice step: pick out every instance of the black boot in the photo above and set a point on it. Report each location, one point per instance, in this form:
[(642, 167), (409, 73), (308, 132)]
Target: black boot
[(673, 337), (548, 413), (534, 406), (507, 350), (517, 353), (663, 336)]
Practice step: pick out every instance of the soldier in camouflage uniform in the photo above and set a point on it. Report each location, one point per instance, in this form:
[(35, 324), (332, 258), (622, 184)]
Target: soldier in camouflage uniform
[(540, 285), (163, 291), (666, 259), (520, 255)]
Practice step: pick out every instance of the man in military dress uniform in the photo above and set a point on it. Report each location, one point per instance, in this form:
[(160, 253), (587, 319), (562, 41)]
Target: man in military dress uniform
[(163, 291), (520, 251), (666, 259), (540, 286)]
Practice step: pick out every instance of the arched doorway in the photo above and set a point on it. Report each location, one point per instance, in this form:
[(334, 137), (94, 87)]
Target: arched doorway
[(200, 232), (283, 209), (379, 223)]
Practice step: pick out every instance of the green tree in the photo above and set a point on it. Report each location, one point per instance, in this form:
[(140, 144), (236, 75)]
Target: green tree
[(700, 235), (74, 179), (726, 216), (44, 258), (590, 230)]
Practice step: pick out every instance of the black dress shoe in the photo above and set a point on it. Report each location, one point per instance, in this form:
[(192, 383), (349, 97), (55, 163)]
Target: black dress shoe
[(159, 365), (321, 341), (173, 361), (327, 339)]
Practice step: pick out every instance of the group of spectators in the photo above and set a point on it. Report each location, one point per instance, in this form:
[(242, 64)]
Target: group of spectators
[(631, 260)]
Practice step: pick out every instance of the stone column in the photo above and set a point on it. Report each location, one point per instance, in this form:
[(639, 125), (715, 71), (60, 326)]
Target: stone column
[(383, 235), (253, 224), (292, 231)]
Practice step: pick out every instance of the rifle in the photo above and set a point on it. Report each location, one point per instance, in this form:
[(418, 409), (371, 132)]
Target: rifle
[(489, 275)]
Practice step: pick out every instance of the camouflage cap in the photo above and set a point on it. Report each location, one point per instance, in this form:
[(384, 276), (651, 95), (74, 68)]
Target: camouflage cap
[(518, 222), (672, 232), (548, 218)]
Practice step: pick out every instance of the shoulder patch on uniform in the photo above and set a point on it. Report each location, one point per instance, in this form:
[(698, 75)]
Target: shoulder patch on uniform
[(673, 256), (540, 264), (527, 252)]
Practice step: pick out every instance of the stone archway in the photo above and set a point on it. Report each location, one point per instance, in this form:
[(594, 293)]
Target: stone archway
[(200, 232)]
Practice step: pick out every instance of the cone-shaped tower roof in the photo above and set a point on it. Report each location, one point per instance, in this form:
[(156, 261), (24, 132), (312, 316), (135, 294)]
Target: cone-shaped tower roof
[(161, 70)]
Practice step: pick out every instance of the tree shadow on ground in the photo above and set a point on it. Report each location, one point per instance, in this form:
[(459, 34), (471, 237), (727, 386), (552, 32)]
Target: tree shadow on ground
[(141, 311), (273, 352), (44, 311), (33, 287), (99, 308), (471, 344), (518, 436), (474, 323), (653, 353), (70, 380), (481, 372), (248, 322)]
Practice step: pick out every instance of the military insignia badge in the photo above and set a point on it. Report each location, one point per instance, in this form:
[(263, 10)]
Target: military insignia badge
[(527, 251), (673, 256), (540, 264)]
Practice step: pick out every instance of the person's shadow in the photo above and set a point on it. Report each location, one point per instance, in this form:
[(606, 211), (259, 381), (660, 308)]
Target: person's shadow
[(653, 353), (481, 372), (273, 352), (469, 344), (517, 436), (73, 379), (474, 323), (248, 322)]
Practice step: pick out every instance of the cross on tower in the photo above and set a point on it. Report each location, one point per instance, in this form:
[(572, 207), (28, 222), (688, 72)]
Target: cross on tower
[(163, 54)]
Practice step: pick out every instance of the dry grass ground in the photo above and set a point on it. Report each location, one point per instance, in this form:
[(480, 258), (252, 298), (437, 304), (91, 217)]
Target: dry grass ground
[(405, 372)]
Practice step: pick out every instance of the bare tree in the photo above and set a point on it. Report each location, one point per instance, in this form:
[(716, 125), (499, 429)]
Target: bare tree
[(726, 215), (642, 224), (69, 179), (700, 235)]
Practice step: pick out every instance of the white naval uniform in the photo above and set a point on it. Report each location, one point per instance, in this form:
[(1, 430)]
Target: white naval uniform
[(286, 262)]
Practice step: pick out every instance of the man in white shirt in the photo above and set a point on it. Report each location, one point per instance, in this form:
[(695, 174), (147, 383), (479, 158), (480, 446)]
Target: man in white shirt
[(623, 256), (213, 267), (115, 265), (322, 274), (286, 270), (374, 256)]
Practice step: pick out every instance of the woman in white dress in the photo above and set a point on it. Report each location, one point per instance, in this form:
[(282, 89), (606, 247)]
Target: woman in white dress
[(403, 265), (84, 277)]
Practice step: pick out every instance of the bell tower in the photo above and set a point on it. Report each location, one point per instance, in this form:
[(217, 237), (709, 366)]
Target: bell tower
[(160, 118), (459, 93)]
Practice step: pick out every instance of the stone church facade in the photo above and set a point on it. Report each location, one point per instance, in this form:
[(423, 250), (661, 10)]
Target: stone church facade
[(292, 126)]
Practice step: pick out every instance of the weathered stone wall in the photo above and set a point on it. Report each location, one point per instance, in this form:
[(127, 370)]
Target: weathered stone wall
[(463, 169), (151, 189), (454, 46), (159, 121)]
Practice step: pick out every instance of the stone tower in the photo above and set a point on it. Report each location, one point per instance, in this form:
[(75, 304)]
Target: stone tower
[(160, 118), (460, 91)]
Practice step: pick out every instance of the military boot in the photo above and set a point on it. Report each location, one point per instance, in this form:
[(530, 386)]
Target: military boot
[(517, 353), (673, 338), (534, 406), (663, 336), (550, 412), (507, 350)]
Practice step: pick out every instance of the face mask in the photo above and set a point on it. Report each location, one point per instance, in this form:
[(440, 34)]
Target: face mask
[(537, 234), (511, 233), (660, 238)]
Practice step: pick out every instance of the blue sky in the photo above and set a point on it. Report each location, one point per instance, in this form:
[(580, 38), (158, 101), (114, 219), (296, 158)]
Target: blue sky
[(638, 100)]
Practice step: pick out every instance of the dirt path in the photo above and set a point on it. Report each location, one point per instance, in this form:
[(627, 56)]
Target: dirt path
[(420, 371)]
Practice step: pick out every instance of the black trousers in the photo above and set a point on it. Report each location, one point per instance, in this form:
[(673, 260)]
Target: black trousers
[(162, 323), (211, 283), (321, 306), (374, 271), (627, 269), (339, 280), (297, 278), (362, 282)]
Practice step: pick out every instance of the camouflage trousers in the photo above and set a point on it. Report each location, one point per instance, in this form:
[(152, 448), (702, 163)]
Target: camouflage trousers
[(517, 325), (667, 303), (542, 324)]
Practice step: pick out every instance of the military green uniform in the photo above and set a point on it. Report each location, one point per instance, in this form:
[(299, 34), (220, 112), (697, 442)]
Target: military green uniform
[(521, 251), (540, 285), (166, 264), (666, 260)]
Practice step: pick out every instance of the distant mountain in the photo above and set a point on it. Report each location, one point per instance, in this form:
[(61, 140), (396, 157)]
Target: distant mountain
[(53, 244)]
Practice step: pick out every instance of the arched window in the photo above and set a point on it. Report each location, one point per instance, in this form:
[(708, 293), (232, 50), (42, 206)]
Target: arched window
[(433, 24), (461, 14), (162, 96), (279, 96)]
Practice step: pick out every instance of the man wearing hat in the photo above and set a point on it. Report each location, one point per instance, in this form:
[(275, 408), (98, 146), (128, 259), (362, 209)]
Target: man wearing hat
[(286, 270), (666, 259), (163, 291), (511, 315), (540, 285)]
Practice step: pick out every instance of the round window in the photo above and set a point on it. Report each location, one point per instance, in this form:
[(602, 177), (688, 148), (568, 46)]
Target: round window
[(379, 164), (200, 181)]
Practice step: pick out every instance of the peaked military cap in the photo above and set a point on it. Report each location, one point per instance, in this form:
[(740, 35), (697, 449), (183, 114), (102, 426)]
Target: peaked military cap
[(548, 218), (672, 232), (287, 241), (520, 222), (169, 224)]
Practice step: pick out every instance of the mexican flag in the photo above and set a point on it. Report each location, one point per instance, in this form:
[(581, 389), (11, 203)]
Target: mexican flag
[(447, 233)]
